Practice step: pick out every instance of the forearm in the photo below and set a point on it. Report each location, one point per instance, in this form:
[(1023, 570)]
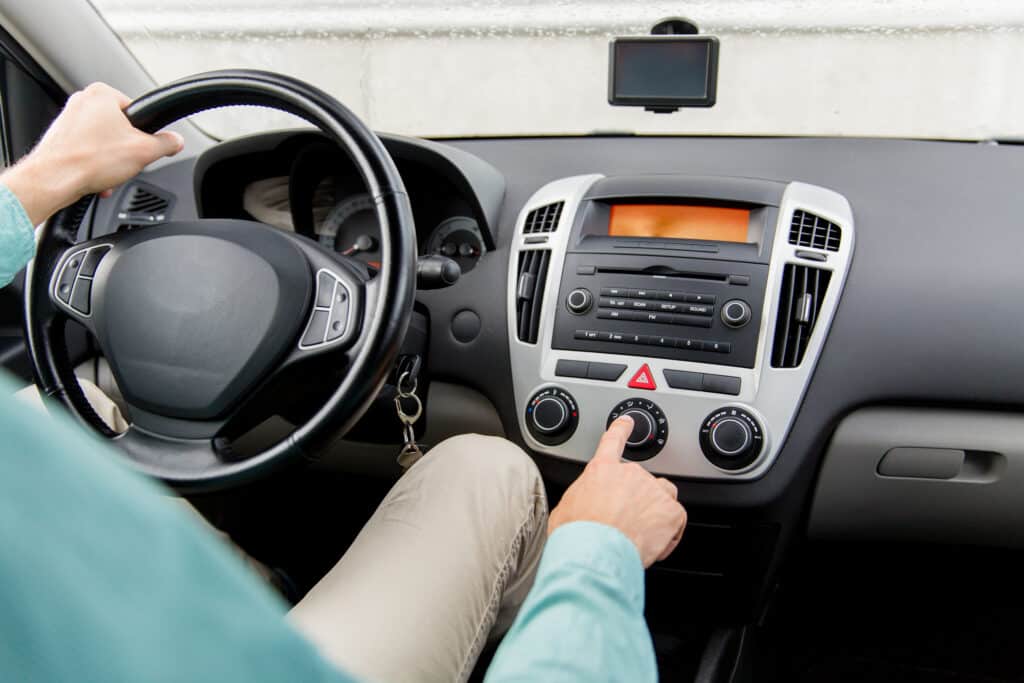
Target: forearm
[(583, 620), (43, 185)]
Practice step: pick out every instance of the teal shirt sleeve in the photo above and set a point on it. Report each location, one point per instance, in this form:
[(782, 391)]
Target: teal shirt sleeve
[(104, 580), (583, 620), (17, 236)]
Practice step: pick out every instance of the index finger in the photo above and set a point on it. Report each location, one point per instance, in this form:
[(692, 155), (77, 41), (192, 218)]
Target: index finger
[(612, 443)]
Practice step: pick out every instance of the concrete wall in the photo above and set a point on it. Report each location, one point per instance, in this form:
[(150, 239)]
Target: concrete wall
[(943, 69)]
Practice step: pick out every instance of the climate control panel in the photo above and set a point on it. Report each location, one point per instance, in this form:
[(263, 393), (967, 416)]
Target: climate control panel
[(731, 438)]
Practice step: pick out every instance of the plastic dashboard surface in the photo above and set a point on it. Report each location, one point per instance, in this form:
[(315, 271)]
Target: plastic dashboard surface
[(771, 395)]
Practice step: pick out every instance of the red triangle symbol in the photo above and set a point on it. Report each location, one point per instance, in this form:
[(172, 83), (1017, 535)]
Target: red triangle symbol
[(643, 379)]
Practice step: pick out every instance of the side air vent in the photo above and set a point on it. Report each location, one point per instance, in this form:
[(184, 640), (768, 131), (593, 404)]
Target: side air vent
[(803, 291), (543, 219), (808, 230), (533, 271), (142, 205)]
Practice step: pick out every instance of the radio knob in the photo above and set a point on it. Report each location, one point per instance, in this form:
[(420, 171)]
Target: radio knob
[(579, 301), (736, 313), (643, 428)]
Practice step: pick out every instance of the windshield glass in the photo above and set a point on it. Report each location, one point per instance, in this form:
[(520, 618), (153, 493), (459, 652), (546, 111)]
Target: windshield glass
[(467, 68)]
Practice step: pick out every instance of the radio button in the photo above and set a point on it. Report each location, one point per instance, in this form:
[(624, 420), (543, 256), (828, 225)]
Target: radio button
[(614, 291), (668, 308), (643, 293), (672, 296), (639, 303), (690, 344), (698, 309), (718, 347), (699, 299), (688, 320)]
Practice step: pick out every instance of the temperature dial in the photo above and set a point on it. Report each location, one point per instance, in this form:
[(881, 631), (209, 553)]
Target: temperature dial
[(552, 416), (650, 428), (731, 438)]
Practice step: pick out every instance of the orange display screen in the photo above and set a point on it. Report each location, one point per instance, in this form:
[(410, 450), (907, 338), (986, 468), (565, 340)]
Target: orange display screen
[(721, 224)]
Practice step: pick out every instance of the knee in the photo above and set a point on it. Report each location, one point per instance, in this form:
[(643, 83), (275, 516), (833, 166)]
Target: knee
[(487, 463)]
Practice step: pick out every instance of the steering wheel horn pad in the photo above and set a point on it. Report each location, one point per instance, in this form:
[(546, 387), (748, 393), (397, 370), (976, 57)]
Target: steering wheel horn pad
[(193, 316)]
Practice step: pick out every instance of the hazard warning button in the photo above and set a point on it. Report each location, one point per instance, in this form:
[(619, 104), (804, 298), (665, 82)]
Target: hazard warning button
[(643, 379)]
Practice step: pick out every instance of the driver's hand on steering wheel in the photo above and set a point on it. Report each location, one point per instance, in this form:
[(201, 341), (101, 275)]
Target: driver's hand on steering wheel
[(624, 496), (90, 147)]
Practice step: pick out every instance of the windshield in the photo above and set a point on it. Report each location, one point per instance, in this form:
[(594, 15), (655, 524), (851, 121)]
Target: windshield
[(467, 68)]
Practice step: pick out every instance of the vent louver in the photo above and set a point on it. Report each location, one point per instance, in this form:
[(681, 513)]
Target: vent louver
[(803, 291), (808, 230), (533, 271), (142, 205), (543, 219)]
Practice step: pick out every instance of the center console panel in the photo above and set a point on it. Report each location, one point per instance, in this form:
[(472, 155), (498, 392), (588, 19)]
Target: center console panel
[(696, 305)]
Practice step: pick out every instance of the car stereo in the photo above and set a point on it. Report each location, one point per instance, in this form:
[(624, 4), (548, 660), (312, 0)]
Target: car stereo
[(697, 305)]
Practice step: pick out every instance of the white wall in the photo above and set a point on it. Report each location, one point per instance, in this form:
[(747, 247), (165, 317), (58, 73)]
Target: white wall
[(944, 69)]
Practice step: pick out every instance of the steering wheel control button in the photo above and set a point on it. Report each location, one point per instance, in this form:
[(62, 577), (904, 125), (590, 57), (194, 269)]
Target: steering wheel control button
[(643, 379), (736, 313), (731, 439), (329, 321), (92, 260), (324, 290), (650, 428), (579, 301), (552, 416), (317, 329), (81, 296)]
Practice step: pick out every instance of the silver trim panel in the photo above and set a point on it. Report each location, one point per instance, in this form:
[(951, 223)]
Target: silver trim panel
[(772, 395)]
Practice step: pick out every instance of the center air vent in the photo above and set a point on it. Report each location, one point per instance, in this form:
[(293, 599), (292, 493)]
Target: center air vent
[(543, 219), (808, 230), (803, 291), (142, 205), (533, 272)]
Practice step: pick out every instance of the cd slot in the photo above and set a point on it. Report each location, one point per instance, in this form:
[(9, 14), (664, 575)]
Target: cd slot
[(666, 272)]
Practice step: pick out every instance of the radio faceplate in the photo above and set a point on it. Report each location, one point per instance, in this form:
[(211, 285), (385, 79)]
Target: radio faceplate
[(550, 264), (675, 315)]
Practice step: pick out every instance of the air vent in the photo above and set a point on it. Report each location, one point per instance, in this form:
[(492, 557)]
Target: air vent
[(142, 205), (808, 230), (803, 291), (533, 272), (543, 219)]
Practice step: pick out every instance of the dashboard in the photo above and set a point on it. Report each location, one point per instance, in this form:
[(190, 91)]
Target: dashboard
[(834, 353), (305, 185)]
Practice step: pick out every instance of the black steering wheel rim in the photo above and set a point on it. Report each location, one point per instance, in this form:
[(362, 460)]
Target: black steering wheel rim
[(384, 326)]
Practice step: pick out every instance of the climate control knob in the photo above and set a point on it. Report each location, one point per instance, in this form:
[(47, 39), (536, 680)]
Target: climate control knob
[(731, 438), (552, 416), (736, 313), (650, 428)]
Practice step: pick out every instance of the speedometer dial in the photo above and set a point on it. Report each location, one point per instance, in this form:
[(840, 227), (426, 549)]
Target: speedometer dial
[(351, 229), (457, 238)]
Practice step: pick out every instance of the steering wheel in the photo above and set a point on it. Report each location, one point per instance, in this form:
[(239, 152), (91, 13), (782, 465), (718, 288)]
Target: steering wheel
[(195, 317)]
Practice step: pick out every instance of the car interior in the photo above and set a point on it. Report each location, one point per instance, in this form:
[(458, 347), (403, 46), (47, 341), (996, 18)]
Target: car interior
[(816, 336)]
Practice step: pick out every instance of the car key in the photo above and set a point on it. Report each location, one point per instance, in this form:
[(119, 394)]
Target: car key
[(411, 451)]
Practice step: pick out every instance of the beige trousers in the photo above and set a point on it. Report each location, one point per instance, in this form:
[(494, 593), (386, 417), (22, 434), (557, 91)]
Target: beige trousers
[(442, 565)]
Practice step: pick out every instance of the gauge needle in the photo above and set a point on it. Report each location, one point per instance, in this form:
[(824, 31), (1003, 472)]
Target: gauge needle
[(362, 243)]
